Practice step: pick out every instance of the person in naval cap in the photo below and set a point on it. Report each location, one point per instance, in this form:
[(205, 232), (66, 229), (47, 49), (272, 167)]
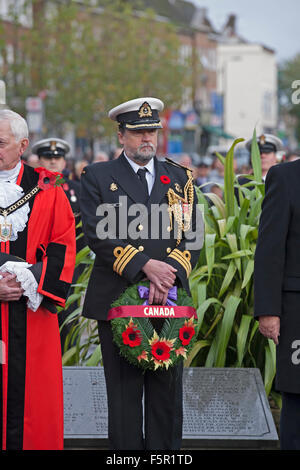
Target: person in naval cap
[(123, 258), (52, 156), (268, 145)]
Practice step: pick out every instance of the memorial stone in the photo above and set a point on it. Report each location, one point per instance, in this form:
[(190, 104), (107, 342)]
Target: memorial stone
[(222, 407)]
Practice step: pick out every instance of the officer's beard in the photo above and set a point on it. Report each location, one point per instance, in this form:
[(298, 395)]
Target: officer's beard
[(144, 153)]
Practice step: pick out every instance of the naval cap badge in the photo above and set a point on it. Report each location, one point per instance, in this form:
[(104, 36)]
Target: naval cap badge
[(145, 110)]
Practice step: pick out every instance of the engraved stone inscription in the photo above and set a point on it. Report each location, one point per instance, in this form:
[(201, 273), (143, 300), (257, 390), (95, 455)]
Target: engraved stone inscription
[(218, 404), (223, 402), (85, 405)]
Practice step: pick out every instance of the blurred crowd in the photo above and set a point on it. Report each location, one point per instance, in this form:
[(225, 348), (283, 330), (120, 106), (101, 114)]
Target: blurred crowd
[(208, 171)]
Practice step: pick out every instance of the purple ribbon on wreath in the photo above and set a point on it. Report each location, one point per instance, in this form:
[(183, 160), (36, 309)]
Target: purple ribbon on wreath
[(144, 294)]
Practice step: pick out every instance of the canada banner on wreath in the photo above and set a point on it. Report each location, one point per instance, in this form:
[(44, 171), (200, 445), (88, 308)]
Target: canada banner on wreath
[(134, 334)]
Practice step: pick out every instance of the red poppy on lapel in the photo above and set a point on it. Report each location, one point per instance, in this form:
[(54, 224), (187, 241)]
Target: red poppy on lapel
[(165, 179)]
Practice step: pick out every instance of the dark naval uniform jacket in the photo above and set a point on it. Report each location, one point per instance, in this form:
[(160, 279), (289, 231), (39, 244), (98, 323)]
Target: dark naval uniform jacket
[(277, 268), (109, 192)]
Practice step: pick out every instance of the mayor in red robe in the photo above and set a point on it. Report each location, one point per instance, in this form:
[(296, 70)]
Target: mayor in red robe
[(37, 251)]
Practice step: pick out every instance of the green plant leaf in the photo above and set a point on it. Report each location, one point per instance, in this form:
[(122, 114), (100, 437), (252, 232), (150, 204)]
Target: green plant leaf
[(255, 158), (229, 178), (270, 365), (228, 278), (95, 358), (242, 338), (210, 252), (225, 330), (248, 273), (196, 348), (202, 308), (238, 254)]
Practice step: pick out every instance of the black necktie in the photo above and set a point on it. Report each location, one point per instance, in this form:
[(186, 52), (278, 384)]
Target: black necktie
[(142, 176)]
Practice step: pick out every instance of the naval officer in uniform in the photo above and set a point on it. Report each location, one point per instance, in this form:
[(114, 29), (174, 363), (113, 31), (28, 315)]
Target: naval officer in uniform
[(137, 179), (52, 153), (52, 156)]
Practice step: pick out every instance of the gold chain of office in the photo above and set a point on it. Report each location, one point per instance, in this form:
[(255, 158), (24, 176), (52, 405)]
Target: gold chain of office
[(16, 205)]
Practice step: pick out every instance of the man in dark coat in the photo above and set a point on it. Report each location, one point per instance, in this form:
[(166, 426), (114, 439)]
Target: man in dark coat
[(277, 288), (126, 252)]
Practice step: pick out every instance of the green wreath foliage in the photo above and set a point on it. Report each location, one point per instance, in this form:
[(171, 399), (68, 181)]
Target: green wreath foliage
[(140, 343)]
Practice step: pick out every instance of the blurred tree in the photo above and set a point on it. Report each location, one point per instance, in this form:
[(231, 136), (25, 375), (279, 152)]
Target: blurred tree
[(88, 59)]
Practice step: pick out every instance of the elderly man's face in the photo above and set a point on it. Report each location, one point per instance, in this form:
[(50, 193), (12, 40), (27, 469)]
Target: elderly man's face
[(139, 145), (10, 149)]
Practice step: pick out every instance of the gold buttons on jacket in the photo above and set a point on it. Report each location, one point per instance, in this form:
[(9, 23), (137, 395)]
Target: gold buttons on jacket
[(169, 250), (141, 248)]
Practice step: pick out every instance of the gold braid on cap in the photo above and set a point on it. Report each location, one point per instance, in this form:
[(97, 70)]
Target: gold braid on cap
[(182, 207)]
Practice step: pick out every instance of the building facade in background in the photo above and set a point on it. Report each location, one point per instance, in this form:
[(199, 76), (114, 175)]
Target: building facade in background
[(234, 85)]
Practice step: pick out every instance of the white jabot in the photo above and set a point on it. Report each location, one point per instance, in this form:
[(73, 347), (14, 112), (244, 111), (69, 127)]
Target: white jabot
[(10, 192), (150, 174), (10, 176)]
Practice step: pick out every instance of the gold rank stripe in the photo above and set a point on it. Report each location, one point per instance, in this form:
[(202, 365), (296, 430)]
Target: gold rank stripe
[(123, 259), (135, 126), (123, 251), (181, 259), (129, 256)]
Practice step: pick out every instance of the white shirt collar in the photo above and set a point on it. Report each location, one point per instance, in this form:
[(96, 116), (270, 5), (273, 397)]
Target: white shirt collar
[(11, 175), (136, 167)]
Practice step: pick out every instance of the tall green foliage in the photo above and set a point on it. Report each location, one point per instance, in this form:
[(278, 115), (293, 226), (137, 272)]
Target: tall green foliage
[(221, 283)]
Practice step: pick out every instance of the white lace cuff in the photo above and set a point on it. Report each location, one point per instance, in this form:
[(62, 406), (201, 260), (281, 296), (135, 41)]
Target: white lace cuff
[(27, 281)]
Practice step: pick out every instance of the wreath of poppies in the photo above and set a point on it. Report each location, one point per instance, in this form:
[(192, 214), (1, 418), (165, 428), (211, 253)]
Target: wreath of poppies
[(138, 340)]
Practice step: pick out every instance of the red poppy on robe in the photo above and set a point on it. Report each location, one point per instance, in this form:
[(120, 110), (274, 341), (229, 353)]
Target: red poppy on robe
[(47, 179)]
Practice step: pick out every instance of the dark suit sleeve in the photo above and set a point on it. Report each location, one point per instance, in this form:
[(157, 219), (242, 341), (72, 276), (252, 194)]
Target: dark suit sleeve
[(185, 256), (120, 256), (271, 245)]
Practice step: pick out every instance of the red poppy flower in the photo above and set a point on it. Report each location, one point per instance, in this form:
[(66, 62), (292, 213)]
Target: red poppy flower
[(47, 179), (185, 334), (161, 351), (165, 179), (131, 336)]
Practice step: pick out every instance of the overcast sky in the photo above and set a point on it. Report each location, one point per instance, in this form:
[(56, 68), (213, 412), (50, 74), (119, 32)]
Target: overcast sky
[(274, 23)]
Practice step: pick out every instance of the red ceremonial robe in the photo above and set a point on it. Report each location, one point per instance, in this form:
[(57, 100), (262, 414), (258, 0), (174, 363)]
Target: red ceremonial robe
[(31, 400)]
